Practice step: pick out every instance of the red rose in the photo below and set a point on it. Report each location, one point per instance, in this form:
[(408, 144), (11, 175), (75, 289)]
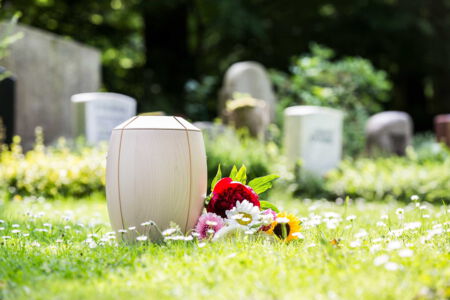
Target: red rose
[(226, 193)]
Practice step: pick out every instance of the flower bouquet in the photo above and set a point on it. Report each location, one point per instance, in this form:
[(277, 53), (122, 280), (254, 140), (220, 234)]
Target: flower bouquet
[(234, 208)]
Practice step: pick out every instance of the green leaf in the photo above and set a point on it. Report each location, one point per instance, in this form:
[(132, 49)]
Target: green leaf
[(216, 178), (233, 172), (262, 184), (241, 175), (267, 205)]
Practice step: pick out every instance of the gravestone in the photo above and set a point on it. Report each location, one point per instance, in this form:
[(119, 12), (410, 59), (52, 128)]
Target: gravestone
[(49, 69), (389, 132), (442, 128), (7, 102), (96, 114), (313, 136), (247, 78), (249, 113)]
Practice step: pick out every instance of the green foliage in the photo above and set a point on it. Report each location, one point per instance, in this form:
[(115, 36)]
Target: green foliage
[(230, 149), (52, 171), (351, 84), (7, 38), (216, 178), (267, 205), (262, 184), (395, 177)]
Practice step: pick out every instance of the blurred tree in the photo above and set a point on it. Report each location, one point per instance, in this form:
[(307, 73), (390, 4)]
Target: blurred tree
[(151, 49)]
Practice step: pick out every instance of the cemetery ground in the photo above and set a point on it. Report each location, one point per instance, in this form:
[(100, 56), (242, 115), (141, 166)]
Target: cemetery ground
[(63, 249)]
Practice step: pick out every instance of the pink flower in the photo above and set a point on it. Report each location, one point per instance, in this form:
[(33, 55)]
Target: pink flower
[(208, 224), (269, 213)]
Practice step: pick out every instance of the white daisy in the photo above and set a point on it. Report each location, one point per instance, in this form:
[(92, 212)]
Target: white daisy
[(228, 231), (244, 214)]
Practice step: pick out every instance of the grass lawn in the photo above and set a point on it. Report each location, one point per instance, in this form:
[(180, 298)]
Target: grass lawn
[(62, 250)]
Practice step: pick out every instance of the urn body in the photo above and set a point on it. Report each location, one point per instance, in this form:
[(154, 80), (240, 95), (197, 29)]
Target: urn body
[(155, 171)]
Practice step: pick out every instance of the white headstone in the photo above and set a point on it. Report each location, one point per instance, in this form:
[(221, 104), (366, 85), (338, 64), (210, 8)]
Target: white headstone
[(96, 114), (251, 78), (313, 135), (389, 131)]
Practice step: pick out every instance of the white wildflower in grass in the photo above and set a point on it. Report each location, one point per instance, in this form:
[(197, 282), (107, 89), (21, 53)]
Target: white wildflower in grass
[(412, 225), (381, 224), (188, 238), (400, 212), (249, 214), (145, 224), (377, 240), (299, 235), (2, 221), (15, 226), (47, 225), (361, 234), (355, 244), (201, 245), (351, 218), (414, 198), (195, 234), (142, 238), (15, 231), (35, 244), (391, 266), (396, 232), (311, 245), (92, 245), (67, 227), (169, 231), (394, 245), (405, 253), (375, 248), (132, 228), (6, 237), (2, 228), (423, 207), (381, 260), (41, 230), (59, 241), (384, 217), (122, 231), (426, 216)]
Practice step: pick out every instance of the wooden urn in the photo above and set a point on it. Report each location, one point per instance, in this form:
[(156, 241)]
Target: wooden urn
[(155, 171)]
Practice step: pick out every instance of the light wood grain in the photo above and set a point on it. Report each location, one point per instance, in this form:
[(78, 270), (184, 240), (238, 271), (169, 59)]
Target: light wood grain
[(160, 167)]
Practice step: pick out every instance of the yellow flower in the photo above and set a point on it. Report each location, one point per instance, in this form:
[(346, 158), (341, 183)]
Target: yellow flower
[(285, 227)]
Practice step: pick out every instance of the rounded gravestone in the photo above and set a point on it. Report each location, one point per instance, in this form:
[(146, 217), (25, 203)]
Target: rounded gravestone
[(156, 171), (250, 78), (389, 132), (313, 135)]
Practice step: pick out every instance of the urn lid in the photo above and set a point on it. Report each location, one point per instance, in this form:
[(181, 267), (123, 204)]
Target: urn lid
[(156, 122)]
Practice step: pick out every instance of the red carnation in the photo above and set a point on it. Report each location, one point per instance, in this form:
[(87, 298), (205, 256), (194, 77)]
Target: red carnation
[(226, 193)]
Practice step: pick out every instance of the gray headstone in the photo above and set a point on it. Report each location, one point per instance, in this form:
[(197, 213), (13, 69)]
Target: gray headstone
[(96, 114), (389, 132), (7, 104), (313, 135), (49, 70), (247, 78)]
